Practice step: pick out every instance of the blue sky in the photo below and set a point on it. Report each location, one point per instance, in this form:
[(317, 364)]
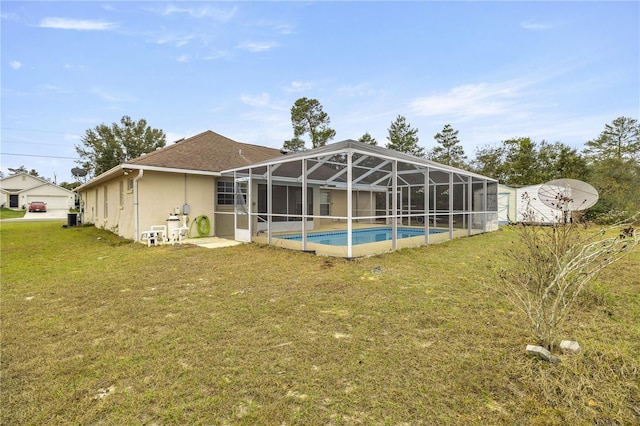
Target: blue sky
[(557, 71)]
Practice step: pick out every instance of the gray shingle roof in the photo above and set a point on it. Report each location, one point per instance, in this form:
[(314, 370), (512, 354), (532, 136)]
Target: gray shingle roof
[(207, 151)]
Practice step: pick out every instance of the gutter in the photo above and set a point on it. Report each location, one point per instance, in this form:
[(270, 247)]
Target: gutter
[(116, 171), (135, 205)]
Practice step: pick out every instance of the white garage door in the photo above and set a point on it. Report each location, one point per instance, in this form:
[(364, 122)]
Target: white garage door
[(53, 202)]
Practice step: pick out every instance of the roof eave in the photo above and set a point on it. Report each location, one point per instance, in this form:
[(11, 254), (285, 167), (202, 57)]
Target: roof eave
[(123, 169)]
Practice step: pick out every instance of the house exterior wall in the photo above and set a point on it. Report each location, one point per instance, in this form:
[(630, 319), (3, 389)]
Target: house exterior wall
[(363, 204), (161, 194), (337, 206), (21, 181), (338, 203), (111, 205)]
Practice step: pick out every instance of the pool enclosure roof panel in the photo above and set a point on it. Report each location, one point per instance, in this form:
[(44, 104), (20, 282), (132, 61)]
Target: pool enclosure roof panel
[(370, 166)]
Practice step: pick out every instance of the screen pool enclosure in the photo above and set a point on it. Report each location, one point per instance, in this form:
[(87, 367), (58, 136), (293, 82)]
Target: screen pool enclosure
[(347, 186)]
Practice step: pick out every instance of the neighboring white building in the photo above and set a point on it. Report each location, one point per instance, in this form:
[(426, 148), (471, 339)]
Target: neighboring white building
[(527, 199), (507, 205), (17, 191)]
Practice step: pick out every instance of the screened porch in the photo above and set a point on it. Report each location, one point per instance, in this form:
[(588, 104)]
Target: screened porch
[(348, 189)]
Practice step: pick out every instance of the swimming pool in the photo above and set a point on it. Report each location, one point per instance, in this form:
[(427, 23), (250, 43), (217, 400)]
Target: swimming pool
[(359, 236)]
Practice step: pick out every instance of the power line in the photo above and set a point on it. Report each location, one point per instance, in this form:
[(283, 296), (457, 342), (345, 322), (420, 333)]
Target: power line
[(35, 143), (33, 130), (40, 156)]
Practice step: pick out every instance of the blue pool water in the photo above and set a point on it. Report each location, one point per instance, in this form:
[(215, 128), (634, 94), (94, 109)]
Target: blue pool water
[(359, 236)]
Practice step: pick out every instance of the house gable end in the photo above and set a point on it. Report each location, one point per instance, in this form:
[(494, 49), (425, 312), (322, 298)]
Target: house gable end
[(20, 182)]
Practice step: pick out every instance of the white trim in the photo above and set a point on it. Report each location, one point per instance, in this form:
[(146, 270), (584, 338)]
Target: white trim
[(120, 169)]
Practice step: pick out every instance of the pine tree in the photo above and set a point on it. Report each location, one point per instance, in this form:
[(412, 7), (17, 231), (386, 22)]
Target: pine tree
[(449, 151), (367, 138), (403, 138), (620, 140), (307, 116)]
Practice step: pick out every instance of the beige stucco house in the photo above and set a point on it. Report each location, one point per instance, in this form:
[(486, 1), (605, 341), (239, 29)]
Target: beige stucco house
[(181, 178), (17, 191), (353, 191)]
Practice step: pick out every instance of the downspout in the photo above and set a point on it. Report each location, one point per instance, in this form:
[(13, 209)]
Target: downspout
[(135, 206)]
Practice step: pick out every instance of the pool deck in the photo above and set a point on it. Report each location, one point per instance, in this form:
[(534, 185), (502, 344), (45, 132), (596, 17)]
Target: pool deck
[(211, 242), (360, 250)]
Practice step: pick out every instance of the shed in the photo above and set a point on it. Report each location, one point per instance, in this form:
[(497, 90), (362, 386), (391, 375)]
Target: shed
[(528, 202), (507, 205)]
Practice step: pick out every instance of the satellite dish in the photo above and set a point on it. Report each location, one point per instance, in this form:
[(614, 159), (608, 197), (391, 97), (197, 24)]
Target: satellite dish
[(567, 195), (77, 172)]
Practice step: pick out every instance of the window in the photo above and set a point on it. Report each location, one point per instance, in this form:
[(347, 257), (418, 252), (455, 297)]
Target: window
[(324, 203), (226, 194), (130, 184)]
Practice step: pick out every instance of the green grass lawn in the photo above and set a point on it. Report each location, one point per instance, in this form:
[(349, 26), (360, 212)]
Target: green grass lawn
[(6, 213), (98, 330)]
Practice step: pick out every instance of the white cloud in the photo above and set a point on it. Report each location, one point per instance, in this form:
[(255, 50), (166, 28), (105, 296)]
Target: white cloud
[(264, 101), (183, 58), (361, 89), (285, 29), (258, 46), (56, 89), (473, 100), (15, 65), (215, 54), (201, 12), (535, 25), (175, 40), (282, 28), (299, 86), (75, 24), (112, 96), (9, 16), (74, 67), (261, 100)]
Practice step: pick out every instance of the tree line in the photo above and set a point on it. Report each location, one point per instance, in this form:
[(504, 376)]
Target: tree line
[(610, 162)]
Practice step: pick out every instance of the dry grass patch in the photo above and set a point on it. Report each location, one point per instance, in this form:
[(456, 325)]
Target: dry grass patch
[(102, 331)]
